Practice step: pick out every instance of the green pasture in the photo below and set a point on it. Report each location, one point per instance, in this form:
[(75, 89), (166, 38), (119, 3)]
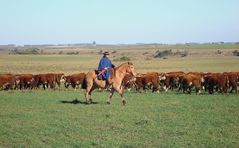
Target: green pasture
[(54, 118), (59, 118)]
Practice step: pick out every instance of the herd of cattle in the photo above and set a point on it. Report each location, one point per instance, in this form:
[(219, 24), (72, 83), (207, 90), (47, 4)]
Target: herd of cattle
[(226, 82)]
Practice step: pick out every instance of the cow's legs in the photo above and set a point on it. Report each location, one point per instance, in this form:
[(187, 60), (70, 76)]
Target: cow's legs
[(52, 85), (44, 86), (210, 89), (138, 88), (144, 88), (198, 90), (224, 89), (190, 90)]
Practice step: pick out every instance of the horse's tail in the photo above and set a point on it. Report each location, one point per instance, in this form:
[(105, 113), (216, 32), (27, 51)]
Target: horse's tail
[(84, 83)]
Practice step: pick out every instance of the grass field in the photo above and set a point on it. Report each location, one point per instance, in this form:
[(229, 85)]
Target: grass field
[(69, 64), (54, 118), (201, 58), (51, 119)]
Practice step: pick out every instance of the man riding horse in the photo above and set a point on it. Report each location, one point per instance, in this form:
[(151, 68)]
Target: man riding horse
[(105, 65), (96, 79)]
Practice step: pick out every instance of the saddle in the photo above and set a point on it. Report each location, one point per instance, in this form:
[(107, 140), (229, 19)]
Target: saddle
[(96, 72), (99, 74)]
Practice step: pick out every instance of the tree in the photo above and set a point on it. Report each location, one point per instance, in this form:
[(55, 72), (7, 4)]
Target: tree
[(94, 43)]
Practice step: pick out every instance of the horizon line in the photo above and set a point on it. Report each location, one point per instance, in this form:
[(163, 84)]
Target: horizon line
[(144, 43)]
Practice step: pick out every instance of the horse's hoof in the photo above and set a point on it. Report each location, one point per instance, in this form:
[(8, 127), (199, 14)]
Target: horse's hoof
[(124, 102), (87, 102), (108, 102)]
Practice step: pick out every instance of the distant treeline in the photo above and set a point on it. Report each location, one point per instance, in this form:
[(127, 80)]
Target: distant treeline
[(94, 45), (26, 51), (35, 51)]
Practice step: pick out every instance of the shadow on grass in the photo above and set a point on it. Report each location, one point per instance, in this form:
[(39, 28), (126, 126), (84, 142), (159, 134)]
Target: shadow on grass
[(75, 101)]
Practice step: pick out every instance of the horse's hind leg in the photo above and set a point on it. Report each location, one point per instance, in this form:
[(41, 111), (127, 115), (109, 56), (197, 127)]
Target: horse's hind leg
[(87, 96), (92, 89), (88, 93)]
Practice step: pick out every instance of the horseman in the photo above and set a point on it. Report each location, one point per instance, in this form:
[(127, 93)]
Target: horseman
[(105, 65), (91, 80)]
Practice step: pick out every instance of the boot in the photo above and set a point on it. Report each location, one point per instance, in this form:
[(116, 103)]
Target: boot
[(108, 84)]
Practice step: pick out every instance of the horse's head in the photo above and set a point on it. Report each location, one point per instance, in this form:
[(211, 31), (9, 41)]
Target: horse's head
[(130, 69)]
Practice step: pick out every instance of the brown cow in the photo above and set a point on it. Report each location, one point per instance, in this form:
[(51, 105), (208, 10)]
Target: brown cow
[(59, 77), (74, 80), (24, 81), (217, 81), (189, 80), (128, 82), (45, 80), (172, 80), (149, 80), (7, 81), (233, 80)]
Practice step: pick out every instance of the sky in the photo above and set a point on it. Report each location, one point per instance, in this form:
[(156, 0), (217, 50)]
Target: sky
[(118, 21)]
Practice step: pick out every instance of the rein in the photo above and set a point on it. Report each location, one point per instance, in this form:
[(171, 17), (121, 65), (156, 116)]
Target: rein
[(120, 71)]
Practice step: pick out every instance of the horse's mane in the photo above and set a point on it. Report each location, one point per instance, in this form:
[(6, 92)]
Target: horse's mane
[(128, 63), (116, 68)]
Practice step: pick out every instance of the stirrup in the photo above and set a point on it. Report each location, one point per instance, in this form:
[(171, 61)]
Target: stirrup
[(109, 87)]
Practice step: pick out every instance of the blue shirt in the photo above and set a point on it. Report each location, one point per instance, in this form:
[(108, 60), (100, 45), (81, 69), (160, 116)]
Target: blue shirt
[(105, 62)]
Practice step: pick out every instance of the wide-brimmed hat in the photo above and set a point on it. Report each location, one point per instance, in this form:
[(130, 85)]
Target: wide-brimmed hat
[(106, 53)]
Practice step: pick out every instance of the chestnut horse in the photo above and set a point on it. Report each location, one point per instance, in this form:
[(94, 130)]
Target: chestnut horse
[(92, 82)]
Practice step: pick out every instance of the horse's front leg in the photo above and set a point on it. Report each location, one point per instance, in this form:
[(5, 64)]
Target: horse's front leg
[(110, 97), (121, 93), (122, 96)]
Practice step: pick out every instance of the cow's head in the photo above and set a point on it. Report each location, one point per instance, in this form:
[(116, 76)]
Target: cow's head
[(17, 82), (67, 81), (162, 76), (63, 78)]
